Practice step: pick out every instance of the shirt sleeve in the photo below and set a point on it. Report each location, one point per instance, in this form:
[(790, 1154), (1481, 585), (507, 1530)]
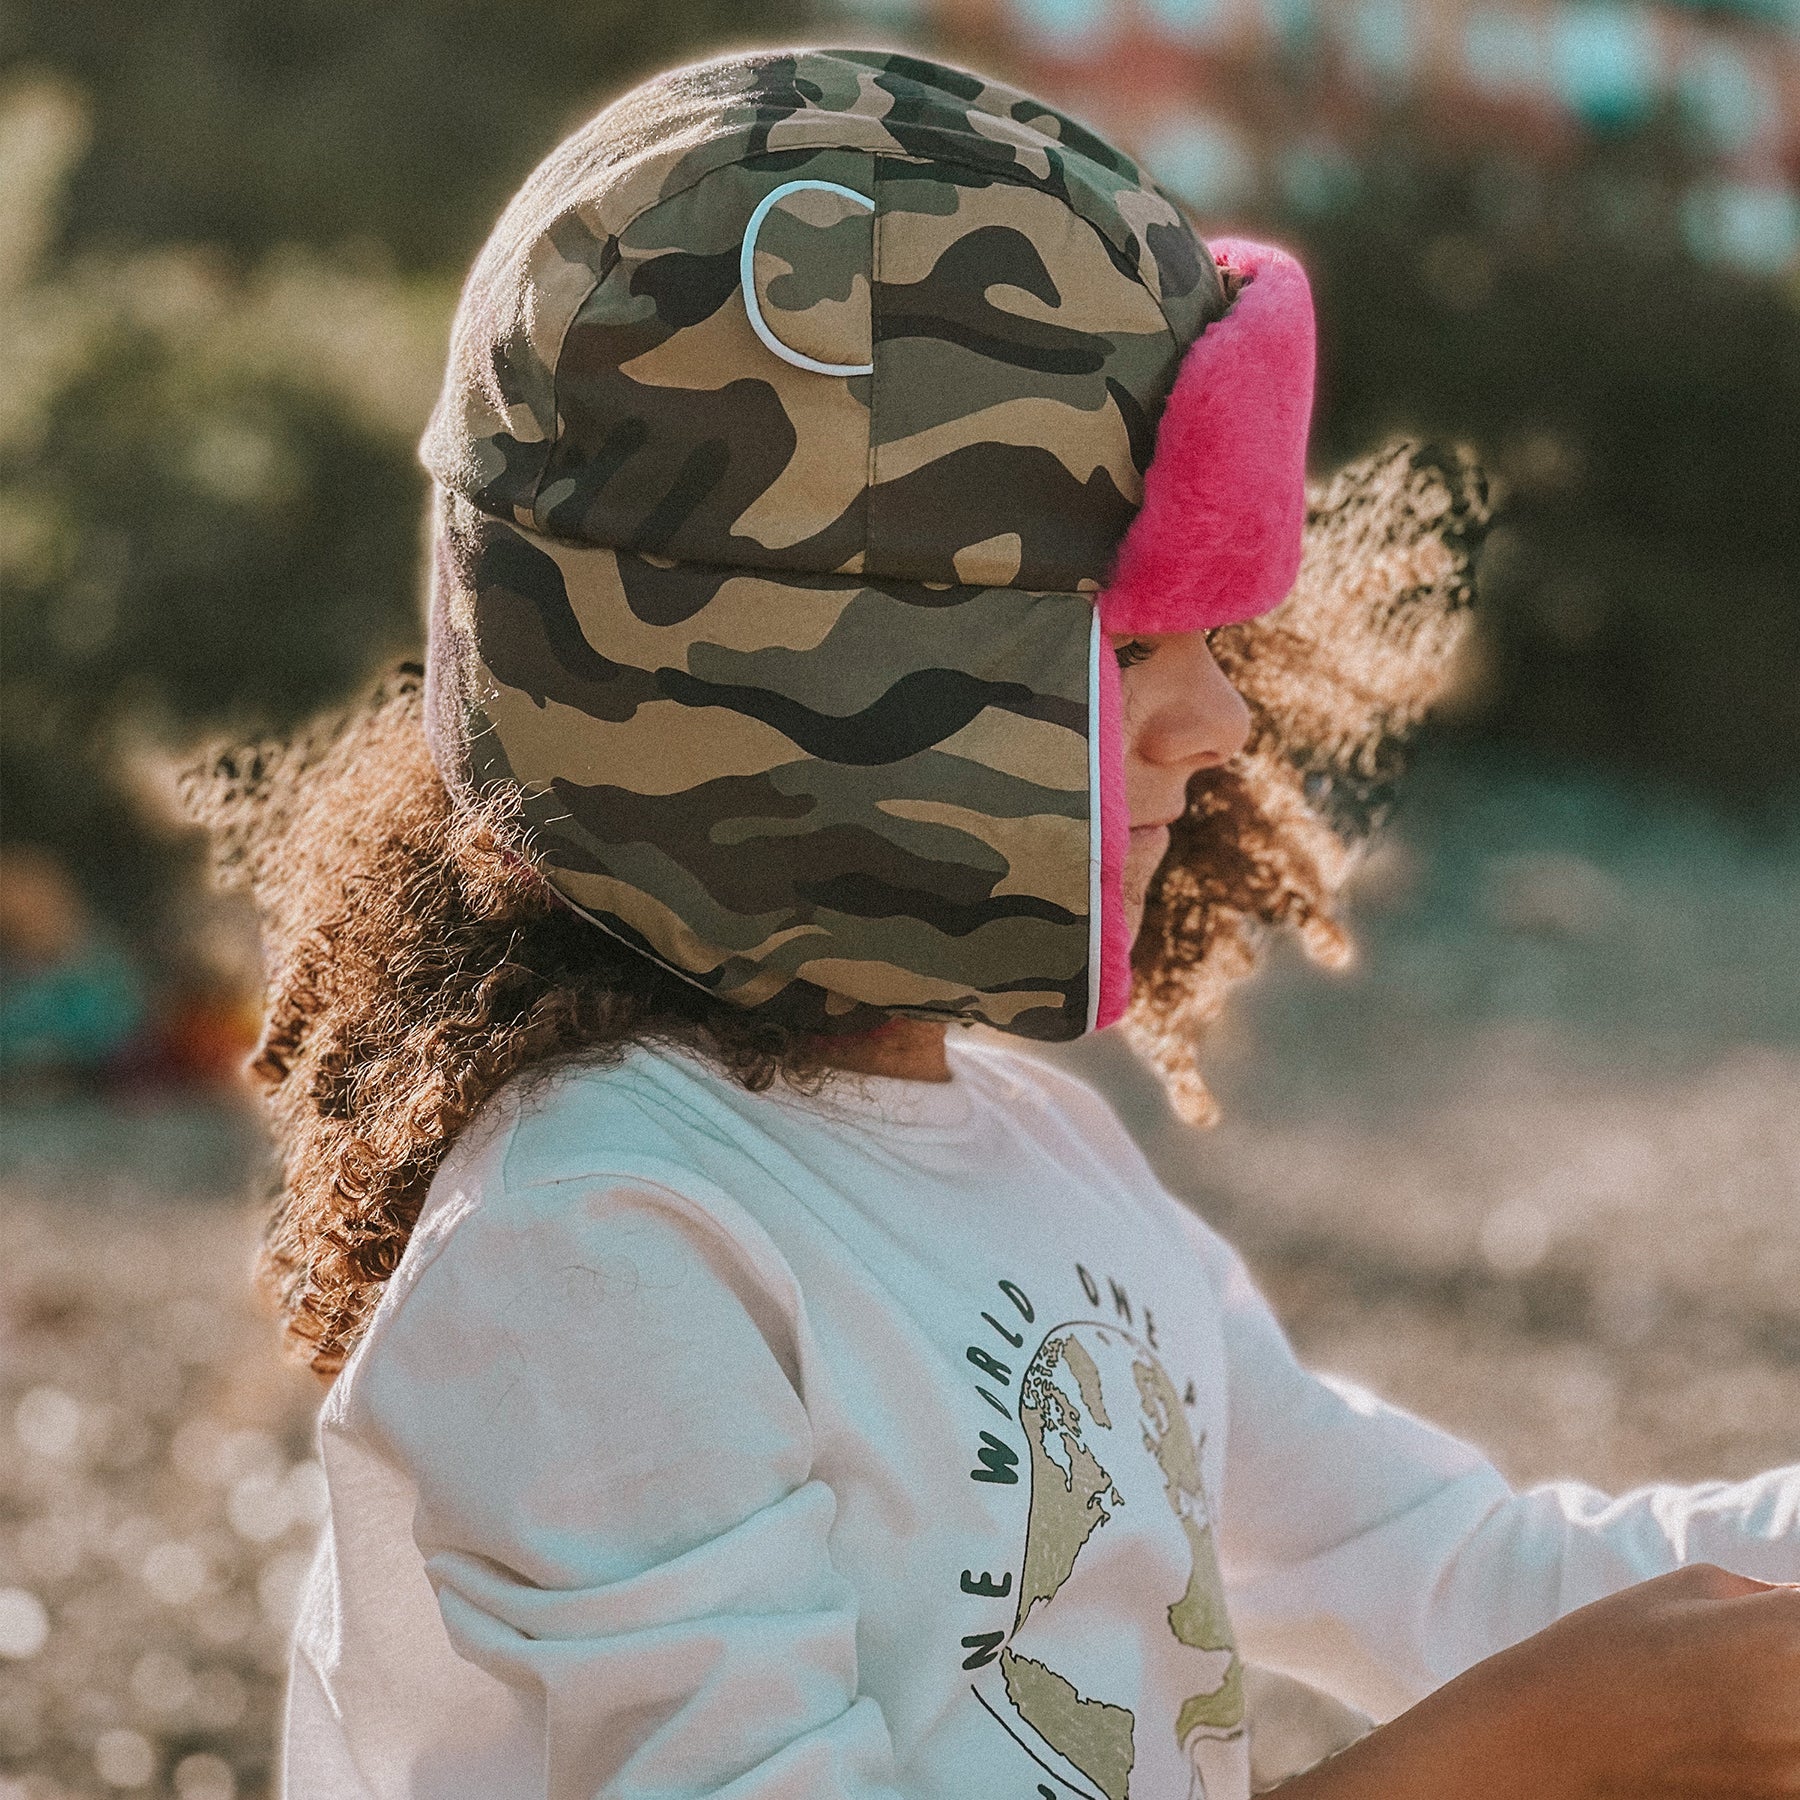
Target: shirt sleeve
[(1378, 1556), (595, 1393)]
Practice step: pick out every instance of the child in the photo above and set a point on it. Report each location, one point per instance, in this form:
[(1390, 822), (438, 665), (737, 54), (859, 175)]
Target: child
[(744, 1384)]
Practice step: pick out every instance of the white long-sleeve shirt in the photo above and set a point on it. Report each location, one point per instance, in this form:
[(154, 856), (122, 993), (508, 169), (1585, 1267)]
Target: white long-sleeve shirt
[(906, 1440)]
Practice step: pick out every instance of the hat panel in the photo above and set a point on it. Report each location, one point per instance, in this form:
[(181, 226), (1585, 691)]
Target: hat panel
[(681, 433), (493, 428), (942, 114), (491, 435), (1021, 364), (918, 85), (877, 791), (495, 420)]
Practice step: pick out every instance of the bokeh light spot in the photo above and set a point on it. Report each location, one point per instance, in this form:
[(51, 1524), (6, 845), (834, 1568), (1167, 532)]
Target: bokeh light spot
[(24, 1624)]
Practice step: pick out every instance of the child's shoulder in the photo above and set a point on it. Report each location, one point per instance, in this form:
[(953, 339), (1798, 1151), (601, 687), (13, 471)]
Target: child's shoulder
[(651, 1120), (560, 1163)]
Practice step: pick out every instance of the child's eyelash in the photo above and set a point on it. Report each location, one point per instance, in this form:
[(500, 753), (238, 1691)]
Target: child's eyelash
[(1132, 652)]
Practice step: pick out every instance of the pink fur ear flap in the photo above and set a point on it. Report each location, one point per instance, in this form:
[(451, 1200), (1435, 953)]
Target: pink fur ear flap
[(1217, 539)]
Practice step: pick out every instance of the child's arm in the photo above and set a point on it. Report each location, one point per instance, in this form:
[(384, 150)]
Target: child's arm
[(1381, 1557), (593, 1394)]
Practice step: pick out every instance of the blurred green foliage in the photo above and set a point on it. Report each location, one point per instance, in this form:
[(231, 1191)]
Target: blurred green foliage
[(230, 241), (231, 237), (1641, 598), (247, 125)]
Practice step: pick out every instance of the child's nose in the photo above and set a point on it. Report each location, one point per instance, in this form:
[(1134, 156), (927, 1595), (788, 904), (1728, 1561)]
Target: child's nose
[(1199, 718)]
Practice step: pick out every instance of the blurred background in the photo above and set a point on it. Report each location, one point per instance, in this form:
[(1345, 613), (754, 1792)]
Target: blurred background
[(1532, 1168)]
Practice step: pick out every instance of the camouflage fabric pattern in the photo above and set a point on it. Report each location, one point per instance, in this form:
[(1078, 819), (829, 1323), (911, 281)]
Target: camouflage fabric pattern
[(865, 796), (793, 666)]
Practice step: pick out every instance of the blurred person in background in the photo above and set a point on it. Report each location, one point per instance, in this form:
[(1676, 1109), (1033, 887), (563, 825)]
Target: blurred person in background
[(859, 500), (71, 1001), (77, 1012)]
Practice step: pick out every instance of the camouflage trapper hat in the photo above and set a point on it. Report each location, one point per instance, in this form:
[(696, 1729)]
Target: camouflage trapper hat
[(799, 410)]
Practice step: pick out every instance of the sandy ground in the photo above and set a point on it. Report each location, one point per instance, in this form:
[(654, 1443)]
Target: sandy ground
[(1592, 1276), (1534, 1172), (157, 1501)]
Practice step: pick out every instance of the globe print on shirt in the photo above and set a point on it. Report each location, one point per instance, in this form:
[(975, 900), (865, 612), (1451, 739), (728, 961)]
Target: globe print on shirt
[(1117, 1509)]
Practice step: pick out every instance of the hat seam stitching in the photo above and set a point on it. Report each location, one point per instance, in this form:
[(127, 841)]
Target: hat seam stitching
[(875, 156), (859, 576), (613, 234)]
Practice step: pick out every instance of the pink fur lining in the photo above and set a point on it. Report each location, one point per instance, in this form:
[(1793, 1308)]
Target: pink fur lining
[(1217, 539), (1115, 841)]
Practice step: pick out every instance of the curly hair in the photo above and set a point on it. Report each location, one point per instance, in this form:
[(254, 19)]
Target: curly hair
[(415, 962)]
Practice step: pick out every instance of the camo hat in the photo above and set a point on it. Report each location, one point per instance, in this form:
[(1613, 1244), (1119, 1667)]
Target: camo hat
[(799, 409)]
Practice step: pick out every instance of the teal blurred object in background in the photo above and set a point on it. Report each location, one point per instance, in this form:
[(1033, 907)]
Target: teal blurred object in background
[(71, 999), (77, 1013)]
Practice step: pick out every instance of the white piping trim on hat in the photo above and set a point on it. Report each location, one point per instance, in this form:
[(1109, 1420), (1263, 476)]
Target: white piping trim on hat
[(747, 278), (1094, 896), (618, 936)]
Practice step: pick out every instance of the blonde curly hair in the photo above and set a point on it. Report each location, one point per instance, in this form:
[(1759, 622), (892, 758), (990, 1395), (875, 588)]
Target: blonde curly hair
[(415, 963)]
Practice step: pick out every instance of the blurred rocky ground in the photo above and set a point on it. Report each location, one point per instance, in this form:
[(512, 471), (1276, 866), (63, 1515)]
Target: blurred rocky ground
[(1532, 1170), (157, 1500), (1533, 1167)]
